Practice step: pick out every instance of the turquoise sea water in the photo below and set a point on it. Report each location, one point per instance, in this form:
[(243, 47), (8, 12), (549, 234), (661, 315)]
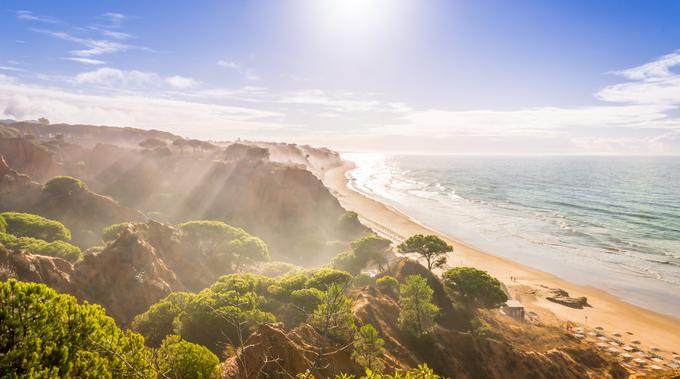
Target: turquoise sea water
[(609, 222)]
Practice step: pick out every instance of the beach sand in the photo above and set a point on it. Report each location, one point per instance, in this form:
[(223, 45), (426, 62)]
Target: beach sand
[(607, 311)]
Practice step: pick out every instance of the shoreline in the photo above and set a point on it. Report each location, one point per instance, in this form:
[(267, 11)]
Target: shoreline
[(608, 311)]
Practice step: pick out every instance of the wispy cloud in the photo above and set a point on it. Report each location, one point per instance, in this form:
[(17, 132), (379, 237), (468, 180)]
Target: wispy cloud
[(248, 73), (228, 64), (30, 16), (88, 61)]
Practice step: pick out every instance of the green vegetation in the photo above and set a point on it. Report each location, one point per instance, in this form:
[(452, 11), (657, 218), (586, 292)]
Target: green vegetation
[(162, 318), (388, 284), (475, 287), (9, 132), (181, 359), (112, 232), (37, 235), (47, 335), (44, 334), (417, 311), (57, 248), (432, 248), (276, 269), (227, 246), (34, 226), (64, 186), (365, 251), (333, 317), (224, 314), (350, 225), (420, 372), (362, 280), (227, 312), (368, 349)]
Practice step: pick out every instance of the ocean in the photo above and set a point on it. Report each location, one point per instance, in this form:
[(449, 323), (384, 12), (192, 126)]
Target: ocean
[(609, 222)]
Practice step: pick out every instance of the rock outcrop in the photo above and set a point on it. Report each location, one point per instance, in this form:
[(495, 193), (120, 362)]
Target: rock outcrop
[(562, 297)]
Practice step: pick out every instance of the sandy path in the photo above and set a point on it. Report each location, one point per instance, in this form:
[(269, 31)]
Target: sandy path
[(610, 312)]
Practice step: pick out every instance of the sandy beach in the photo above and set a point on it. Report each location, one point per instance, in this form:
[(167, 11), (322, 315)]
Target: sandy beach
[(607, 311)]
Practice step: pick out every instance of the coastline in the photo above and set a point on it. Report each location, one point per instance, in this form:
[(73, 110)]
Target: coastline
[(608, 311)]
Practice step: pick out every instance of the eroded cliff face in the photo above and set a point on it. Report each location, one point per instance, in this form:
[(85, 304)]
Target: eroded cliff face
[(84, 212), (142, 265), (452, 350), (271, 190)]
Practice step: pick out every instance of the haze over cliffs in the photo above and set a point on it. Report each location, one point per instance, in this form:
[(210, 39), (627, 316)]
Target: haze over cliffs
[(177, 237)]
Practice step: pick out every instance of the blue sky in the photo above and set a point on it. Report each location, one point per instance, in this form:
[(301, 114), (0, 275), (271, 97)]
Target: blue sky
[(521, 77)]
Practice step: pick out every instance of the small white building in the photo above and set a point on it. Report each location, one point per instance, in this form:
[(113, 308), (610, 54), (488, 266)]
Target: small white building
[(514, 309)]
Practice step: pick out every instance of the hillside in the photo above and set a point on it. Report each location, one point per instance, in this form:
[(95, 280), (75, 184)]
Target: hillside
[(239, 252)]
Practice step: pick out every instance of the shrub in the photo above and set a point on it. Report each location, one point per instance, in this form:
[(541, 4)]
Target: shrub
[(362, 280), (45, 334), (364, 251), (322, 279), (64, 186), (59, 249), (388, 284), (3, 225), (34, 226), (276, 269), (181, 359), (112, 232), (222, 315), (162, 318), (476, 287), (227, 245)]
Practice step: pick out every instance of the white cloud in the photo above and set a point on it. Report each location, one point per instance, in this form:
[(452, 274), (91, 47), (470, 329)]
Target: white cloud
[(84, 60), (181, 82), (228, 64), (659, 68), (115, 19), (111, 77), (20, 101), (252, 75), (248, 73)]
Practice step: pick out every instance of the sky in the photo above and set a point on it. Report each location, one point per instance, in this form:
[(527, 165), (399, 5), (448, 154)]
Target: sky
[(421, 76)]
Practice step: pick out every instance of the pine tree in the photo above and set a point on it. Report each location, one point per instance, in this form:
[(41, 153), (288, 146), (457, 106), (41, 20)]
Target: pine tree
[(417, 311)]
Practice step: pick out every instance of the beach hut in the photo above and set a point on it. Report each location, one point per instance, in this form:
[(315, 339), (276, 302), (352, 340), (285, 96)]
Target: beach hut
[(514, 309)]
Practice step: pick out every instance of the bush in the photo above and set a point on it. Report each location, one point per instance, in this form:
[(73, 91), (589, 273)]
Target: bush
[(362, 280), (112, 232), (162, 318), (34, 226), (388, 284), (476, 287), (227, 245), (58, 249), (276, 269), (3, 225), (364, 251), (223, 314), (181, 359), (64, 186), (45, 334), (322, 279)]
